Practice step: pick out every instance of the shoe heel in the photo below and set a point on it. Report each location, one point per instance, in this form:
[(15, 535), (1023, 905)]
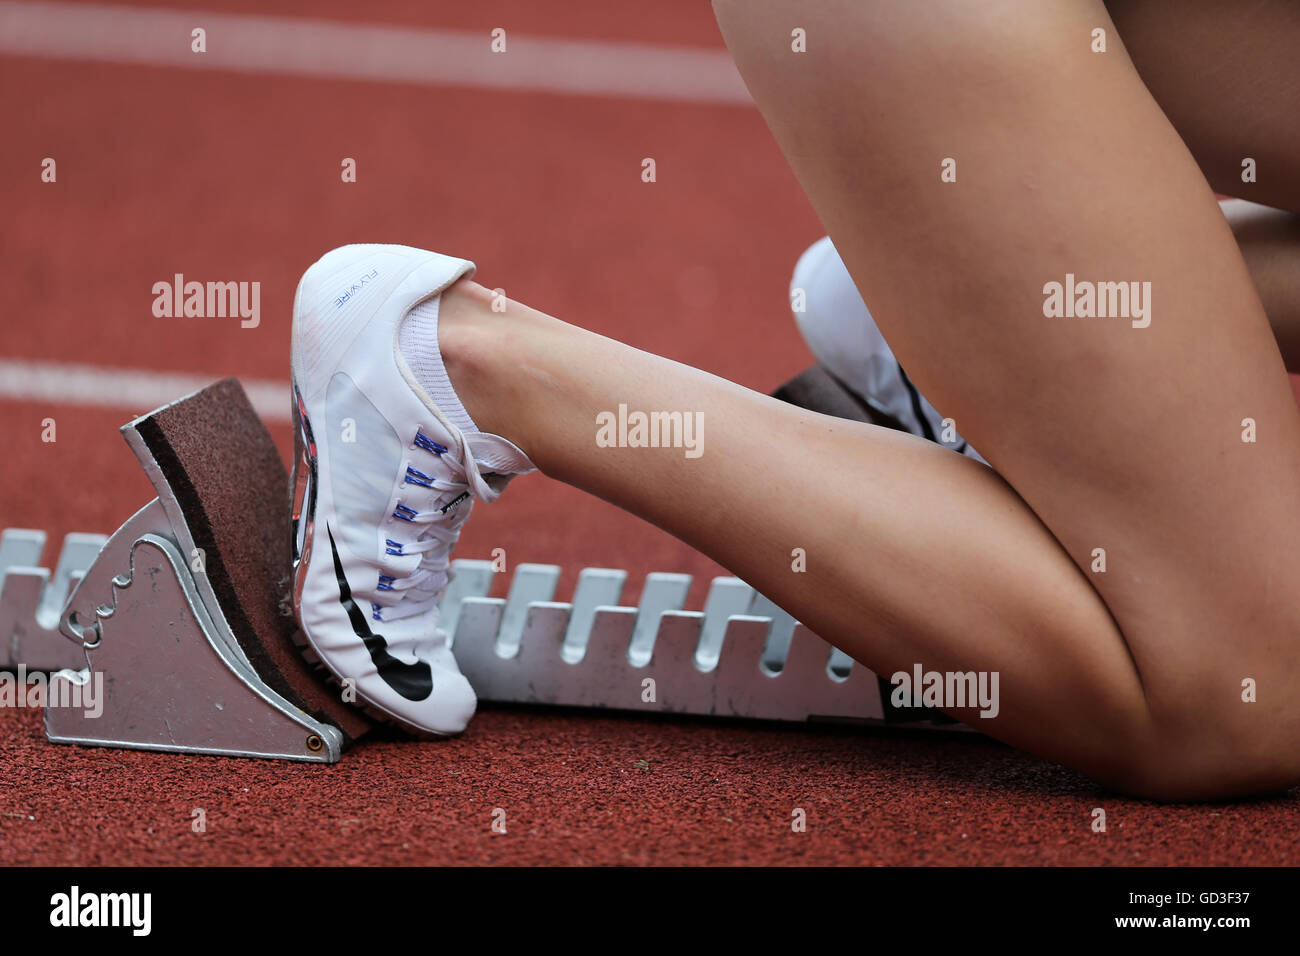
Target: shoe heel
[(303, 490)]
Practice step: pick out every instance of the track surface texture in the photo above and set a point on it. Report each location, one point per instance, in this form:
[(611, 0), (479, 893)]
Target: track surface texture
[(223, 175)]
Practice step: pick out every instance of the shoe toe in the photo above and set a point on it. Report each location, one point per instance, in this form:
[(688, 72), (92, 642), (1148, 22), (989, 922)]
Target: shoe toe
[(451, 705)]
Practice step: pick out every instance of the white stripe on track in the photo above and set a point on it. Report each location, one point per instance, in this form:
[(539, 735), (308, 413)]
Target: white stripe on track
[(134, 391), (320, 48)]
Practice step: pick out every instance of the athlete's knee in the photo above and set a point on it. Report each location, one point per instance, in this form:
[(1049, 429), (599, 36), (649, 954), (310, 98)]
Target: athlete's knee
[(1212, 761)]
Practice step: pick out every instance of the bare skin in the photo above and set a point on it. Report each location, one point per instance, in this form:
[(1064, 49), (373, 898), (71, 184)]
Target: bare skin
[(1103, 435), (1224, 73)]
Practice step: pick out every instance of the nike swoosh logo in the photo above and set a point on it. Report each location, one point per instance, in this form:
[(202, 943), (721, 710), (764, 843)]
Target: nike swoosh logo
[(412, 681)]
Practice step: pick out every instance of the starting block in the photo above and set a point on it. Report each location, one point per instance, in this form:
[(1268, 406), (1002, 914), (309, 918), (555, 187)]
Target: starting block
[(183, 619)]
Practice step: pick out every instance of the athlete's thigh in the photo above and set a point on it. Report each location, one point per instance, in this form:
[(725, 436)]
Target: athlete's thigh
[(967, 156), (1225, 74)]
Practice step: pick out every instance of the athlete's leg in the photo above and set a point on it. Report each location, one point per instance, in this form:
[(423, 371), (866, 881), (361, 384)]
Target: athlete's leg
[(1122, 438), (838, 329), (914, 554), (1225, 75)]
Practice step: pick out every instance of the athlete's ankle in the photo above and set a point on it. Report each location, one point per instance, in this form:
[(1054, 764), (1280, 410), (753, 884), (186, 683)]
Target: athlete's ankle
[(476, 327)]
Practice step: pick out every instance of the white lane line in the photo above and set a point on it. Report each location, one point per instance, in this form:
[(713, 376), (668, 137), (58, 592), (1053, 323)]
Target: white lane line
[(134, 391), (320, 48)]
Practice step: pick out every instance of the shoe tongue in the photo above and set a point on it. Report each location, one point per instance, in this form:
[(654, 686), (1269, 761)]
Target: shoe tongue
[(497, 454)]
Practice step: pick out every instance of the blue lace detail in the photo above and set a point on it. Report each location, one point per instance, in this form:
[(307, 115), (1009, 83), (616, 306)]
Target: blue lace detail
[(428, 444), (418, 478)]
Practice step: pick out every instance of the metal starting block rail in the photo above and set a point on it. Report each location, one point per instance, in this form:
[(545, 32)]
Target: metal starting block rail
[(182, 621), (740, 657)]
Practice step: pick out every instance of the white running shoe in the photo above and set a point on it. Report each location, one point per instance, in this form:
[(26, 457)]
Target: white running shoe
[(845, 339), (383, 483)]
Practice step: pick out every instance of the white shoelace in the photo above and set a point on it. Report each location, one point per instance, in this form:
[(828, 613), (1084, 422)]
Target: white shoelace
[(436, 539)]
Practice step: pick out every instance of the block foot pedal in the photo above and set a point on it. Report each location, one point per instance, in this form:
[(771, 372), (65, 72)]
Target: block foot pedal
[(179, 635)]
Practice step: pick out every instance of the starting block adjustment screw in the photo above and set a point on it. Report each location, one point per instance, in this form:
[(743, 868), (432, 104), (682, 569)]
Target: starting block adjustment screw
[(314, 743)]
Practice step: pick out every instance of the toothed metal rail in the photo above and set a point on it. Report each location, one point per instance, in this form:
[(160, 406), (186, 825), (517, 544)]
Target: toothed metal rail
[(740, 657), (31, 603)]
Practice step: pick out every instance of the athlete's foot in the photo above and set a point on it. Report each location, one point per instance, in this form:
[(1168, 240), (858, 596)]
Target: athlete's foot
[(840, 332), (389, 464)]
